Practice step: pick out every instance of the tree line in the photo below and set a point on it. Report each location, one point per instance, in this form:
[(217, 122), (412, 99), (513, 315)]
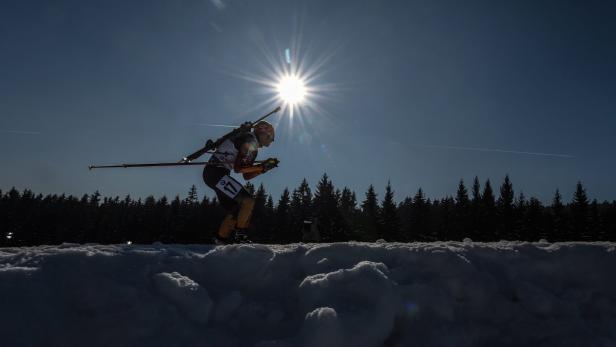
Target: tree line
[(478, 213)]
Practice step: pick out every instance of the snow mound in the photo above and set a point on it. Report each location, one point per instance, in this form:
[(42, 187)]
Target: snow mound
[(349, 298), (190, 298), (342, 294)]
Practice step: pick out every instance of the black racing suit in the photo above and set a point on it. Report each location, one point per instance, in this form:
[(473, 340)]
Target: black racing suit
[(233, 154)]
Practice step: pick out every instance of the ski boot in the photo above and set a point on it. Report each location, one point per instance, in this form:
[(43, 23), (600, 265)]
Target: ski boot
[(237, 236), (240, 236), (221, 241)]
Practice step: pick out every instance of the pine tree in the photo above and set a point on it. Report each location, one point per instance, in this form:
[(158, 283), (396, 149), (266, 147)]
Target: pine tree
[(269, 204), (505, 211), (192, 199), (608, 217), (462, 199), (488, 213), (347, 208), (150, 227), (301, 206), (95, 199), (420, 218), (520, 208), (534, 221), (389, 224), (208, 220), (476, 191), (579, 210), (476, 215), (405, 217), (595, 223), (284, 233), (448, 215), (487, 197), (162, 218), (89, 231), (268, 224), (27, 214), (461, 228), (259, 214), (558, 228), (370, 212), (325, 206), (178, 217)]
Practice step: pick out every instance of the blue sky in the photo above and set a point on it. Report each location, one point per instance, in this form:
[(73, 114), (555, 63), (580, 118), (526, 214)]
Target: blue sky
[(406, 91)]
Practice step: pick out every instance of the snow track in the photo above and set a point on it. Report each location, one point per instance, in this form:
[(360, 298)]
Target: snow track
[(344, 294)]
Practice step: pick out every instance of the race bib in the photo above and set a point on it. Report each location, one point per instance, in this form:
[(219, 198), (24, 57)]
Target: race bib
[(229, 186)]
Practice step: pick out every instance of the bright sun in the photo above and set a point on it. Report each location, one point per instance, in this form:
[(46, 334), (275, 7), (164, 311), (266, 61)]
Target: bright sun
[(291, 89)]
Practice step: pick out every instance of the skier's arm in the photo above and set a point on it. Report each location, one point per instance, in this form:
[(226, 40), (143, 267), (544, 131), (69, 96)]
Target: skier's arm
[(244, 162), (245, 157), (252, 171), (263, 167)]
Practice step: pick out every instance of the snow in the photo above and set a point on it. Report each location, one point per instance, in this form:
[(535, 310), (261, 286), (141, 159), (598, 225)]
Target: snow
[(342, 294), (187, 295)]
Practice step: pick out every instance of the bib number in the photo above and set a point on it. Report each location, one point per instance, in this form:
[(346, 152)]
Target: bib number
[(229, 186)]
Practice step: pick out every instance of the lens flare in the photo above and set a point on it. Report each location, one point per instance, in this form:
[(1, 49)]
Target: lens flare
[(291, 89), (292, 78)]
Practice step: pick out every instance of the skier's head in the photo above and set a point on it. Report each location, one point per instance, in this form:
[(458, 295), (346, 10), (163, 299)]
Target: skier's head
[(264, 132)]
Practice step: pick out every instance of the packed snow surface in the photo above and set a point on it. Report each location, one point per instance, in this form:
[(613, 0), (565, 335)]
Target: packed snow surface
[(343, 294)]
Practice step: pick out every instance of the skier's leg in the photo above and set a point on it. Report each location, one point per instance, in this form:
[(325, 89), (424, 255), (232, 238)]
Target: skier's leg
[(226, 227), (239, 206), (247, 203)]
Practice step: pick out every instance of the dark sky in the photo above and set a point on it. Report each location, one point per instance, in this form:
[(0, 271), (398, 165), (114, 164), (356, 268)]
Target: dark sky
[(422, 93)]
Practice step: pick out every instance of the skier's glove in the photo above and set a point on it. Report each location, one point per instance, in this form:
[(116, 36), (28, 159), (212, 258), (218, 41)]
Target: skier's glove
[(269, 164)]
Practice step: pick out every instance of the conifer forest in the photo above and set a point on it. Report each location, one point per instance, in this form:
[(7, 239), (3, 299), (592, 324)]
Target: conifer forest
[(479, 212)]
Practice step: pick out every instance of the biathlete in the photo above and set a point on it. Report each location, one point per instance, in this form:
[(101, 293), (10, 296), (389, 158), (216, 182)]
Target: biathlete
[(238, 154)]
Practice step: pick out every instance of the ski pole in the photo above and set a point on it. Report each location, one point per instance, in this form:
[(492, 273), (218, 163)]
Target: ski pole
[(159, 164)]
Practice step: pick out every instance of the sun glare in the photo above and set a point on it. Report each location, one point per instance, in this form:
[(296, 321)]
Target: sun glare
[(293, 82), (291, 89)]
